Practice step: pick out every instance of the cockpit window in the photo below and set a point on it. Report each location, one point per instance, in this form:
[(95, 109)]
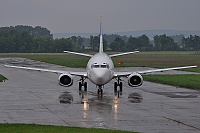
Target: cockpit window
[(96, 66), (103, 66), (100, 66)]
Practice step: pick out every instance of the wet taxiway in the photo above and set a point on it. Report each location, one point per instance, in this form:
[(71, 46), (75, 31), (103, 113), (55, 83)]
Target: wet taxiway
[(35, 97)]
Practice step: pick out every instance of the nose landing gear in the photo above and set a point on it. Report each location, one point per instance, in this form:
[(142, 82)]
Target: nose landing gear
[(100, 91)]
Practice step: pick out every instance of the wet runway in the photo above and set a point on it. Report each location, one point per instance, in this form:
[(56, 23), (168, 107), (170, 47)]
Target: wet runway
[(35, 97)]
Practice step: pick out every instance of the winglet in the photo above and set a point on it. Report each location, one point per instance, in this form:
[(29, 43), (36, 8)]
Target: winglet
[(101, 37)]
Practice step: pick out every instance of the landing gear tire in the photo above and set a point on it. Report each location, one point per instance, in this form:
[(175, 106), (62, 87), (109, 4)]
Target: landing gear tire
[(80, 86), (85, 86), (115, 86), (120, 86)]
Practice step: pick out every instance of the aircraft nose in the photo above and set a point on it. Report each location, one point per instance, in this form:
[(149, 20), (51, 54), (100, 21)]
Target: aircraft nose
[(101, 76)]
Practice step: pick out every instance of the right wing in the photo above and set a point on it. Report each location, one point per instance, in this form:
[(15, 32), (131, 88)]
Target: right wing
[(82, 74)]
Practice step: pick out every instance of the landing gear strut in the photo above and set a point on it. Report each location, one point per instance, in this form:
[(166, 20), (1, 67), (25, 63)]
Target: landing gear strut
[(82, 83)]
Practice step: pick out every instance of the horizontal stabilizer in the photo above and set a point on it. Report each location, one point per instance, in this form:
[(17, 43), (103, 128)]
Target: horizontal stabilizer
[(87, 55), (114, 55)]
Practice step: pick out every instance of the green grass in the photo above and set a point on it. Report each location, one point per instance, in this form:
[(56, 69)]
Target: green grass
[(191, 81), (32, 128), (2, 78), (160, 60)]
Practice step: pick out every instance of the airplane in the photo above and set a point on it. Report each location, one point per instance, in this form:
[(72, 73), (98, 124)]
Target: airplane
[(100, 70)]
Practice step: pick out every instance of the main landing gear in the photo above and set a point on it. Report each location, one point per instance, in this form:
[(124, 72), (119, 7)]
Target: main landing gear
[(82, 84), (116, 84)]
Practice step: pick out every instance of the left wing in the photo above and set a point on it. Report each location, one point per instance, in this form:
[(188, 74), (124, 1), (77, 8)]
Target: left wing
[(82, 74), (121, 74), (164, 69)]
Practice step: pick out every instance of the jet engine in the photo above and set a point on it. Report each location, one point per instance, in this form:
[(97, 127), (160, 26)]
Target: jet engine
[(65, 80), (135, 80)]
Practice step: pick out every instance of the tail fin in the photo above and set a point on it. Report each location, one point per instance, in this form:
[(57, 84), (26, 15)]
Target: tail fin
[(101, 37)]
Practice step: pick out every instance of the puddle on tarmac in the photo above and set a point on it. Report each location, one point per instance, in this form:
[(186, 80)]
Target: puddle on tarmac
[(66, 97), (135, 97)]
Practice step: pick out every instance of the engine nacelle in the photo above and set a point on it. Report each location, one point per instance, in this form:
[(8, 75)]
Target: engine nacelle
[(135, 80), (65, 80)]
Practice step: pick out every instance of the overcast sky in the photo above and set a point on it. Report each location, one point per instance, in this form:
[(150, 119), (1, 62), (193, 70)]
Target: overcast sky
[(118, 15)]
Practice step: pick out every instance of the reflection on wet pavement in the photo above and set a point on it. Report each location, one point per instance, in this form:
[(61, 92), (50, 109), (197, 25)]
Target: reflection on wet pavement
[(66, 97), (97, 109), (135, 97)]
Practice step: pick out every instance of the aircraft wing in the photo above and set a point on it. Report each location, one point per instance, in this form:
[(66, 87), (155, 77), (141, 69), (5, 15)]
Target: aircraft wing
[(164, 69), (121, 74), (84, 74)]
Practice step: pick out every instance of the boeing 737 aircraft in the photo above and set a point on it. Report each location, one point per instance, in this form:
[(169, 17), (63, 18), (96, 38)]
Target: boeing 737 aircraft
[(100, 71)]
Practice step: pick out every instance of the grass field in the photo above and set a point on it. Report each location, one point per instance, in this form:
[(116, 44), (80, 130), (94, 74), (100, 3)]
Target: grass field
[(2, 78), (32, 128), (187, 81), (161, 59)]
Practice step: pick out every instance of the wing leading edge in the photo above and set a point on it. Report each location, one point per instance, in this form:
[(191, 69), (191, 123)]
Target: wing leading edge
[(82, 74), (121, 74)]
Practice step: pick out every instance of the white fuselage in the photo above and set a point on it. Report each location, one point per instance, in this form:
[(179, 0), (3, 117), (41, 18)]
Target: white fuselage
[(100, 69)]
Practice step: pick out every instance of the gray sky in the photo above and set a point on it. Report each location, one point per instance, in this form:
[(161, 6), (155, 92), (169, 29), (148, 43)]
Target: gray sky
[(118, 15)]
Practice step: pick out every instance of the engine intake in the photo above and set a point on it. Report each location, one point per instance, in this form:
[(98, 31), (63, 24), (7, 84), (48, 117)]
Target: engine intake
[(65, 80), (135, 80)]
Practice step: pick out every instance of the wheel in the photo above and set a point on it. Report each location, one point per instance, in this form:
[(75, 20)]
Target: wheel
[(80, 86), (100, 91), (85, 86), (120, 86), (115, 86)]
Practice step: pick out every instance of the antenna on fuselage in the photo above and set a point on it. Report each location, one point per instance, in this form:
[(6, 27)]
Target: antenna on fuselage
[(101, 37)]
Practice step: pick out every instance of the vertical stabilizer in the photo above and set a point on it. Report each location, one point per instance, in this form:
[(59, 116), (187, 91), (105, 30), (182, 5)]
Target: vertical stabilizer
[(101, 37)]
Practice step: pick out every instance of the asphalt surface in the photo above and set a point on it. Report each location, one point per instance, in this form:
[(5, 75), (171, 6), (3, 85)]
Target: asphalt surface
[(35, 97)]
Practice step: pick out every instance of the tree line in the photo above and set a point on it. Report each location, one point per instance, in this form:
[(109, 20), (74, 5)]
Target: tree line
[(38, 39)]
